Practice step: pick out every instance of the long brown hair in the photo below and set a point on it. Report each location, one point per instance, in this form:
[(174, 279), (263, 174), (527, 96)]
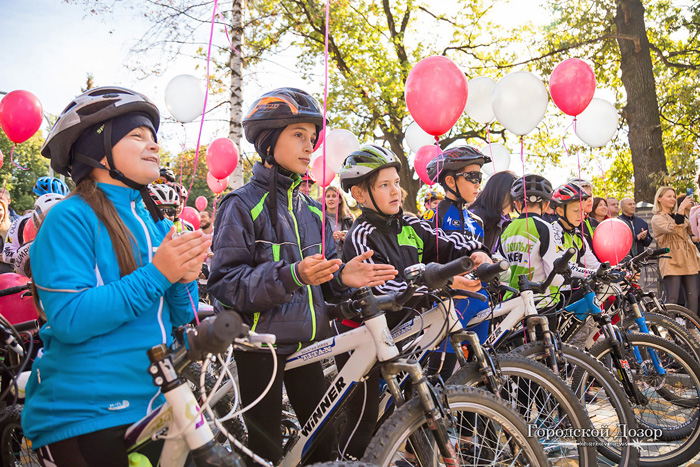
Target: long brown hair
[(342, 208), (121, 236)]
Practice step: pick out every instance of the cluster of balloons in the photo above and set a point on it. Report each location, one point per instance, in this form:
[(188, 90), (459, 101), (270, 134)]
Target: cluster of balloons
[(21, 114), (339, 144), (437, 93)]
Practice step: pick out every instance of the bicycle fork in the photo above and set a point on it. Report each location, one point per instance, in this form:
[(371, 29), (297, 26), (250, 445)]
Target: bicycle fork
[(642, 324), (438, 415)]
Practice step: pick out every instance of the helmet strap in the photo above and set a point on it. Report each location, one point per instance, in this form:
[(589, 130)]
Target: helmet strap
[(374, 203), (448, 189)]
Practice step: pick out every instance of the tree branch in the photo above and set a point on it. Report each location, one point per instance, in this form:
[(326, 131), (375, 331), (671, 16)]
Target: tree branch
[(670, 64)]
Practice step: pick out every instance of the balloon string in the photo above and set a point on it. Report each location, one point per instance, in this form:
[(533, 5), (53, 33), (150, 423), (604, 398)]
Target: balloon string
[(213, 214), (204, 108), (182, 154), (439, 165), (12, 152), (218, 13), (337, 207), (527, 217), (488, 142), (325, 102), (580, 201), (194, 308)]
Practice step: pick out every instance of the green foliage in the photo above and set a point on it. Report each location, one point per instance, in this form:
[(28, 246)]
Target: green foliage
[(17, 181)]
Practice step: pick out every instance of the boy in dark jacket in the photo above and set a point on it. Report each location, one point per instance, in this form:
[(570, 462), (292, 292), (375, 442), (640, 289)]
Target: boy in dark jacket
[(268, 267), (371, 174)]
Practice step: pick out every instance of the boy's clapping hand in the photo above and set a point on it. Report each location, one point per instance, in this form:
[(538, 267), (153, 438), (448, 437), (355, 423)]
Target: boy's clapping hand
[(357, 273), (315, 270)]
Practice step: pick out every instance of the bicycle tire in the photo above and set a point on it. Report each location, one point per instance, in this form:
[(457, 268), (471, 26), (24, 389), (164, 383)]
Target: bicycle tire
[(686, 433), (15, 449), (548, 392), (666, 328), (681, 315), (408, 420), (608, 398)]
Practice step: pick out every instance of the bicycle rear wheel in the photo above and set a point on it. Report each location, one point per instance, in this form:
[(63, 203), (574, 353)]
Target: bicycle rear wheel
[(484, 431)]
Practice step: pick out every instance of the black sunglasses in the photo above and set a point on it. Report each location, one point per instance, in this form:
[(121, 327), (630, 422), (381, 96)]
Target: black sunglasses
[(473, 176), (170, 212)]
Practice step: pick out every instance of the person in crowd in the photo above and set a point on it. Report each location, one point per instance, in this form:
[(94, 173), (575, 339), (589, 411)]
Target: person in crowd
[(5, 223), (431, 200), (268, 266), (588, 224), (671, 229), (166, 175), (599, 211), (613, 207), (166, 197), (641, 238), (46, 185), (205, 221), (549, 214), (695, 214), (528, 242), (181, 224), (5, 195), (338, 215), (119, 289), (307, 183), (371, 175), (493, 206)]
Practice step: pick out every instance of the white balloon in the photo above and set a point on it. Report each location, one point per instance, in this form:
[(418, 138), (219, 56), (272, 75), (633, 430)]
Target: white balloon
[(339, 144), (184, 98), (416, 137), (500, 158), (598, 123), (520, 101), (479, 99)]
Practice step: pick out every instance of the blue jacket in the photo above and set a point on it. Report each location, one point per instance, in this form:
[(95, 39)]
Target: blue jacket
[(93, 373)]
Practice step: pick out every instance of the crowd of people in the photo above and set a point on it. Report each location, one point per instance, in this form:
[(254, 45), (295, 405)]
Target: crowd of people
[(131, 273)]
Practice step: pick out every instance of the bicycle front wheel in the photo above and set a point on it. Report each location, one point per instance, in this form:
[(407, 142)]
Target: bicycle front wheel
[(484, 431)]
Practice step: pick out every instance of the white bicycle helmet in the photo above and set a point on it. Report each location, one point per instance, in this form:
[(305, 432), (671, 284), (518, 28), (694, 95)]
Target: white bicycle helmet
[(164, 195), (42, 205)]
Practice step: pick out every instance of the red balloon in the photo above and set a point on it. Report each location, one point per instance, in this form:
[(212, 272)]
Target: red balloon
[(20, 115), (436, 93), (216, 185), (222, 157), (29, 231), (201, 203), (316, 170), (320, 138), (572, 85), (190, 215), (15, 308), (420, 163), (612, 240)]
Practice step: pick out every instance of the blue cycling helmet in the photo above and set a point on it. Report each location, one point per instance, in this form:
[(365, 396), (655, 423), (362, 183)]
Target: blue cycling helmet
[(45, 185)]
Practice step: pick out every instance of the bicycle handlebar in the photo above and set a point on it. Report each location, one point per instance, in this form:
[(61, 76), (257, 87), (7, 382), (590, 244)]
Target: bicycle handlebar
[(215, 334), (14, 290), (489, 272), (438, 276)]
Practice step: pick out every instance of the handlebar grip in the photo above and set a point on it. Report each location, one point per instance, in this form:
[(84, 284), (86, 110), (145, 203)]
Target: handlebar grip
[(488, 272), (14, 290), (561, 264), (436, 275), (660, 251), (215, 334)]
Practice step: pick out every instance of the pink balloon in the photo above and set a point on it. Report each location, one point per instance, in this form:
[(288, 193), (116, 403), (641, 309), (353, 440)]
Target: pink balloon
[(29, 231), (320, 138), (216, 185), (2, 159), (20, 115), (222, 157), (436, 93), (420, 163), (572, 85), (191, 215), (201, 203), (612, 240), (322, 178)]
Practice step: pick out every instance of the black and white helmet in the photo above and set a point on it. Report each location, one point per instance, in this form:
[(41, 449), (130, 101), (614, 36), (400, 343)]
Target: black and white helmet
[(164, 194), (88, 109), (364, 162), (535, 187)]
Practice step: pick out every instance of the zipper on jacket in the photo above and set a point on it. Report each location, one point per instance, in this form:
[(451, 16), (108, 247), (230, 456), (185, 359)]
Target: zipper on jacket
[(150, 260), (296, 231)]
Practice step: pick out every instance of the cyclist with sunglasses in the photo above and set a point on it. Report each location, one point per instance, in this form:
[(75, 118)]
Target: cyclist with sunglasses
[(458, 171), (166, 197)]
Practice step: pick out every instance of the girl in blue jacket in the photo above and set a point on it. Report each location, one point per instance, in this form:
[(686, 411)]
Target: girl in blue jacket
[(110, 278)]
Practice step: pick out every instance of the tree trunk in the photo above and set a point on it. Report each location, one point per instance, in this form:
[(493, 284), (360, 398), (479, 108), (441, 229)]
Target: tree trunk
[(642, 108), (236, 65), (407, 182)]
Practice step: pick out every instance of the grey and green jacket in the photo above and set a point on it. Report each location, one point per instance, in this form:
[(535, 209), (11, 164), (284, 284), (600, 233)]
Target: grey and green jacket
[(254, 268)]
